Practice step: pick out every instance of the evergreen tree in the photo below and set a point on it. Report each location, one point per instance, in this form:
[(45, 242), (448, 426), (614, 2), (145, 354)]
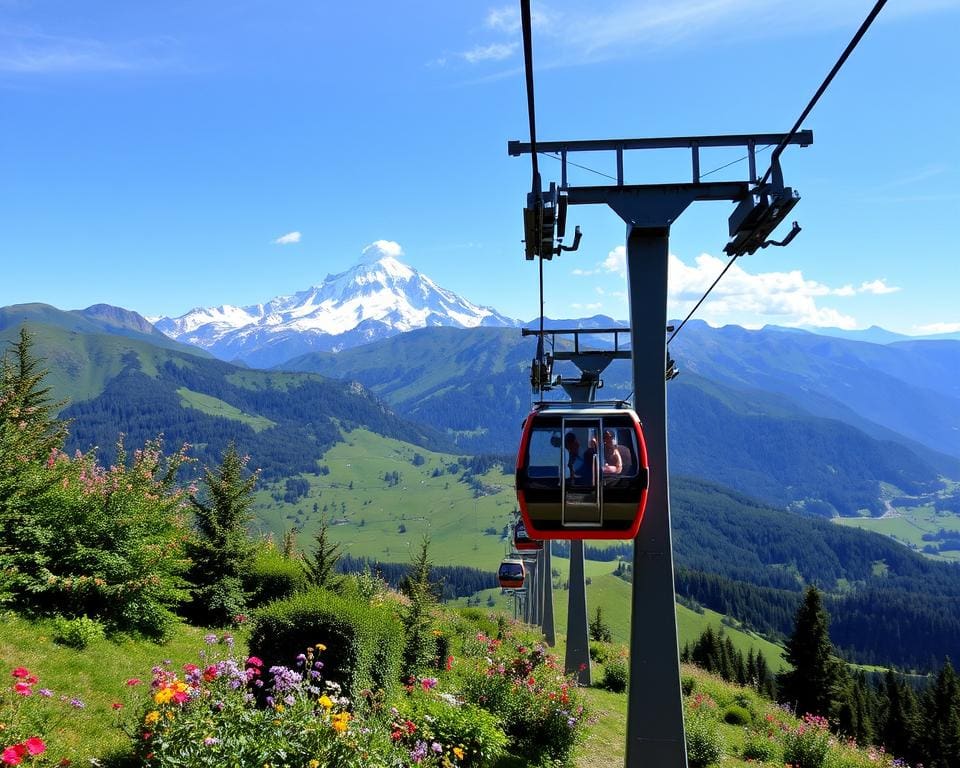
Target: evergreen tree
[(30, 433), (319, 566), (939, 738), (419, 649), (599, 629), (813, 685), (897, 717), (221, 550)]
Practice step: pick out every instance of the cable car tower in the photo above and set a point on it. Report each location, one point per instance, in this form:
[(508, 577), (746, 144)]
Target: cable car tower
[(655, 729)]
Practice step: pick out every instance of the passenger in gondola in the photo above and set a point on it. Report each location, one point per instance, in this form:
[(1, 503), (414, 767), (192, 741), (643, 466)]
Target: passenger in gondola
[(576, 469), (612, 460)]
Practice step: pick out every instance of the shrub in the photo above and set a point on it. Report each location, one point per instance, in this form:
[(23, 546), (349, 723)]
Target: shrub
[(364, 641), (599, 652), (761, 747), (442, 718), (28, 715), (737, 715), (76, 633), (540, 707), (806, 744), (705, 744), (615, 676), (688, 684), (272, 577)]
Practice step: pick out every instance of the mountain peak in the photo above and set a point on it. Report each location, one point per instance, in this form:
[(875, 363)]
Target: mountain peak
[(377, 297)]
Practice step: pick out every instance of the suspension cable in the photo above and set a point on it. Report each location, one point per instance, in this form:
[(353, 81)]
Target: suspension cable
[(528, 69), (775, 155)]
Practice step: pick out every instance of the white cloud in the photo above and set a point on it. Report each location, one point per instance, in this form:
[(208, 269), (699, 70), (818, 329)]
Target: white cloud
[(28, 51), (492, 52), (616, 261), (380, 248), (288, 239), (877, 287)]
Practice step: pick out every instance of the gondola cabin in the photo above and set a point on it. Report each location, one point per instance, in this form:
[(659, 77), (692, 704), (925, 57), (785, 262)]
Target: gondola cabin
[(522, 542), (512, 572), (582, 472)]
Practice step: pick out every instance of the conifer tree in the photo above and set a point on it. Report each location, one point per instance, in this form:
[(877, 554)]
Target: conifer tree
[(897, 718), (599, 629), (814, 683), (221, 550), (319, 565), (939, 738), (418, 617)]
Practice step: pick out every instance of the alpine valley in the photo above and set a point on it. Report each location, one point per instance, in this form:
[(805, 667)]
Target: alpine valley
[(391, 407)]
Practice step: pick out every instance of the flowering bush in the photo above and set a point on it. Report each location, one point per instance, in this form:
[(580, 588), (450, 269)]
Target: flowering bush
[(761, 747), (450, 727), (806, 744), (26, 715), (208, 715), (105, 543), (525, 686)]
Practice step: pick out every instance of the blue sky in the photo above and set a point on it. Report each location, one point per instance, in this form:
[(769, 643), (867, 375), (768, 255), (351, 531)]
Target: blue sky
[(161, 156)]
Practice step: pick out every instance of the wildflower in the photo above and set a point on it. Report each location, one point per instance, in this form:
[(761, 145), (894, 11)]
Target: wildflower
[(22, 689), (210, 639), (134, 681), (20, 673), (116, 705), (152, 717), (313, 764), (320, 647), (339, 721), (13, 755), (325, 702), (428, 682), (253, 661), (35, 746), (45, 692), (458, 753), (210, 741)]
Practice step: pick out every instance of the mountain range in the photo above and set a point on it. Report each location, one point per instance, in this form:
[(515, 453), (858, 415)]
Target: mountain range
[(375, 299)]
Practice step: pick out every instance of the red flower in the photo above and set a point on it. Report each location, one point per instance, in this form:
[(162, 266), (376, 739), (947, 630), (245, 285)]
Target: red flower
[(188, 668), (22, 689), (21, 672), (134, 681), (210, 673), (116, 705), (253, 661), (35, 745)]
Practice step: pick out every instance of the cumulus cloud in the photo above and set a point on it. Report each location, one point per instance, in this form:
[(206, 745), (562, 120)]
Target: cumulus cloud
[(380, 248), (877, 287), (288, 239)]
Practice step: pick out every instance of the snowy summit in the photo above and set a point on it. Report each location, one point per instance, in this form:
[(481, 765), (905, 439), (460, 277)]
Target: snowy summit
[(378, 297)]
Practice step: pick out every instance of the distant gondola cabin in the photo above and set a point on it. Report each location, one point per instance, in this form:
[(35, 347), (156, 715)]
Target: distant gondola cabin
[(522, 542), (582, 472), (511, 574)]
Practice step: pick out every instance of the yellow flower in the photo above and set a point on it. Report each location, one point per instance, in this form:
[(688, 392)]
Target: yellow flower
[(339, 721), (320, 647), (152, 717), (313, 764), (163, 696), (325, 701), (458, 753), (169, 715), (278, 707)]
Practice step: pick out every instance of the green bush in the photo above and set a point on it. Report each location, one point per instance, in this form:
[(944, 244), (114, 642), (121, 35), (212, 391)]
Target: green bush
[(540, 707), (615, 675), (272, 577), (363, 642), (806, 744), (76, 633), (762, 747), (688, 684), (441, 718), (737, 715), (705, 744), (599, 652)]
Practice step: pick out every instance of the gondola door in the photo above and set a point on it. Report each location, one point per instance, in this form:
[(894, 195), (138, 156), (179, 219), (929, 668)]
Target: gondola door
[(582, 494)]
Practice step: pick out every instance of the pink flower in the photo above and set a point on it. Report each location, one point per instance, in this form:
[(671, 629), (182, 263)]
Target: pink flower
[(134, 681), (35, 745), (20, 673), (22, 689), (13, 755), (253, 661)]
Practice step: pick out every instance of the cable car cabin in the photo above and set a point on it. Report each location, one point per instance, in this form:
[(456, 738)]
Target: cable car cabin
[(582, 472), (522, 542), (512, 573)]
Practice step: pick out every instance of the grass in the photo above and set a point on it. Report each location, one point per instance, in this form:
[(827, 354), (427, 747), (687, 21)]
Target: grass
[(96, 676), (215, 407), (908, 526)]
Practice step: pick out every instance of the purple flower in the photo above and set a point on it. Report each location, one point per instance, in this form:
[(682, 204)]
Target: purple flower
[(45, 692), (419, 752), (437, 747), (289, 700), (77, 704), (210, 639), (210, 741)]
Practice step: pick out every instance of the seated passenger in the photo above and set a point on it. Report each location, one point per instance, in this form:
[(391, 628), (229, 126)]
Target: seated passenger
[(576, 468), (612, 461)]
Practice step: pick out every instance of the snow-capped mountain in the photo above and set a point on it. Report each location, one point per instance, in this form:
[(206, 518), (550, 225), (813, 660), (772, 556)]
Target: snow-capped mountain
[(377, 298)]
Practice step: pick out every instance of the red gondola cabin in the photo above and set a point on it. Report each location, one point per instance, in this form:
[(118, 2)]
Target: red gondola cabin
[(512, 573), (582, 472)]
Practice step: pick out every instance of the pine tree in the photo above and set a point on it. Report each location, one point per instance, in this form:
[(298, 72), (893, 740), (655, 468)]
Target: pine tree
[(812, 686), (418, 616), (319, 566), (221, 550), (939, 738), (897, 720), (30, 433), (599, 629)]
